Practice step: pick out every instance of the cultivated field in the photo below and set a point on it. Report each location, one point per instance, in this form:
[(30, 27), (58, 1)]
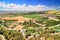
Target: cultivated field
[(30, 26)]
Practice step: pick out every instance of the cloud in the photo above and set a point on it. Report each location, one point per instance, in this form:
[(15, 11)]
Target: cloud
[(58, 7), (24, 7)]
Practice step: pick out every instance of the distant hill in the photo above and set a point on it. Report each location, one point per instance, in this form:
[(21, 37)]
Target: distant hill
[(4, 13), (53, 12)]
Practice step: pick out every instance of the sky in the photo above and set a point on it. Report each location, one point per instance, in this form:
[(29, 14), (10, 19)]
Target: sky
[(29, 5)]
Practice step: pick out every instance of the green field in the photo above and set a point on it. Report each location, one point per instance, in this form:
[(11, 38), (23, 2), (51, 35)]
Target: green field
[(43, 27)]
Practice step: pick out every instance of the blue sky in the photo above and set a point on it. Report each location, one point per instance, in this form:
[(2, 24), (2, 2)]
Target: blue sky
[(34, 2), (48, 3)]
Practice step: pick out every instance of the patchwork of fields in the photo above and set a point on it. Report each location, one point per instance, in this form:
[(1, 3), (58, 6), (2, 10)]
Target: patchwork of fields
[(31, 26)]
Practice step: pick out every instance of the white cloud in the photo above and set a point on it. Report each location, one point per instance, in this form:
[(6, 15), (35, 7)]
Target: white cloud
[(16, 7), (58, 7)]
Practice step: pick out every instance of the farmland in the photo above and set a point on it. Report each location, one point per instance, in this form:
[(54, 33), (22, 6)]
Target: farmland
[(30, 26)]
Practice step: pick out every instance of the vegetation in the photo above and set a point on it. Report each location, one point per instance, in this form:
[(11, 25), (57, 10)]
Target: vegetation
[(11, 34), (37, 28)]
